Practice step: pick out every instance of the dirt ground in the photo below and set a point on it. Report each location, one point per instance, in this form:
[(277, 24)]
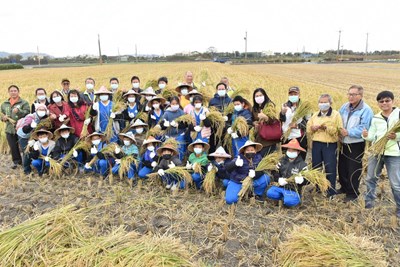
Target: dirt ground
[(217, 234)]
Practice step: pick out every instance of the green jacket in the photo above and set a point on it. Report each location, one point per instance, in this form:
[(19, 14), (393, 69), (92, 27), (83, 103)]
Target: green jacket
[(6, 109), (202, 160)]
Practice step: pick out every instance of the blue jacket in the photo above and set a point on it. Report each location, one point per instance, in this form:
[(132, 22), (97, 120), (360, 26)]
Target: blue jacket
[(222, 173), (219, 102), (171, 116), (355, 120), (238, 174)]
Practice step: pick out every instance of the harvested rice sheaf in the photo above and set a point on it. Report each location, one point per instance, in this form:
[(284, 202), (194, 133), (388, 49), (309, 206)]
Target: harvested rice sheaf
[(304, 109), (209, 183)]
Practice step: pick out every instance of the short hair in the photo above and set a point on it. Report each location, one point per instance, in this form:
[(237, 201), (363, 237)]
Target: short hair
[(384, 94), (221, 83), (91, 79), (197, 98), (358, 87), (13, 86), (40, 89), (326, 96), (163, 79), (114, 79), (135, 78), (238, 98)]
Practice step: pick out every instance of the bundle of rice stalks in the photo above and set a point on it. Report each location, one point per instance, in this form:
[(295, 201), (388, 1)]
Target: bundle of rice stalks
[(81, 145), (173, 142), (168, 93), (84, 131), (240, 91), (143, 116), (187, 118), (177, 173), (155, 132), (209, 183), (217, 123), (269, 162), (151, 83), (332, 129), (247, 186), (56, 169), (8, 118), (378, 148), (315, 176), (314, 246), (269, 110), (108, 150), (240, 125), (126, 164), (304, 109), (45, 123), (198, 169), (229, 109), (252, 134), (118, 105)]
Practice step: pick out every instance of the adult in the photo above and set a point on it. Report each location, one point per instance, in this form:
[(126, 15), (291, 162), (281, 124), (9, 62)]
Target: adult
[(220, 100), (65, 87), (135, 81), (58, 109), (356, 116), (88, 96), (76, 109), (183, 90), (162, 84), (190, 107), (41, 98), (12, 110), (188, 79), (132, 107), (229, 89), (114, 84)]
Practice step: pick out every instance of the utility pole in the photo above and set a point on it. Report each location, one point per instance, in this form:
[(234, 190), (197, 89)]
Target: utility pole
[(338, 46), (100, 57), (341, 58), (245, 46), (119, 57), (366, 47), (136, 53), (38, 55)]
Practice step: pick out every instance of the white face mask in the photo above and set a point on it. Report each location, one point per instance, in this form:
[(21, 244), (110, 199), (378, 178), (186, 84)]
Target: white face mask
[(198, 105), (57, 99), (291, 155), (156, 106), (324, 106), (114, 86), (135, 85), (221, 93), (238, 108), (96, 142), (198, 150), (184, 91), (294, 98), (259, 99), (174, 107), (131, 99), (41, 113), (139, 130), (74, 99), (41, 97), (66, 135), (43, 140), (127, 142), (104, 98), (89, 86), (161, 85), (150, 148), (148, 98)]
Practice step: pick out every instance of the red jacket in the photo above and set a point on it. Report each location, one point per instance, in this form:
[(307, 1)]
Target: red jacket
[(54, 109), (77, 117)]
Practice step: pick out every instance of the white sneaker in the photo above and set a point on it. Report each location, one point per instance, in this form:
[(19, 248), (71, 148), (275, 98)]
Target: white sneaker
[(174, 187), (168, 186)]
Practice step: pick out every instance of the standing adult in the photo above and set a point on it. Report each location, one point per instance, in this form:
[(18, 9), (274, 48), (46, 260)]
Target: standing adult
[(230, 90), (88, 96), (220, 100), (12, 110), (356, 116), (41, 98), (65, 87), (162, 84), (189, 79), (58, 109)]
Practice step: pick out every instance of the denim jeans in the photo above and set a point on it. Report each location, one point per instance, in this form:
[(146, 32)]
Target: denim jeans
[(375, 166), (26, 160)]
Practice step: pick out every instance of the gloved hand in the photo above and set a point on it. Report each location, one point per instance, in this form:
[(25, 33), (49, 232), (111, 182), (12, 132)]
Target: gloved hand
[(166, 124), (209, 168), (61, 118), (229, 130), (87, 166), (35, 146), (225, 118), (174, 124), (46, 159), (75, 153), (31, 143), (147, 108), (282, 181), (188, 166), (33, 124), (239, 162), (87, 121), (203, 84), (171, 165), (153, 164), (153, 117), (117, 150), (131, 115), (95, 106), (252, 173), (161, 172), (112, 115), (197, 128), (152, 154), (93, 150), (299, 179), (117, 161), (234, 135), (202, 116)]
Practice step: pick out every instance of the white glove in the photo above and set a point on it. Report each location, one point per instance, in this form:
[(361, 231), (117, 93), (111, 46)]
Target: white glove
[(166, 123), (239, 162), (153, 117), (112, 115), (252, 173), (117, 161), (75, 153), (299, 179), (203, 83), (31, 143), (46, 159), (33, 124), (161, 172), (153, 164), (93, 150), (87, 121), (234, 135), (95, 106), (225, 118), (36, 146), (197, 128), (282, 181), (171, 165), (188, 166), (61, 118), (202, 116), (131, 115), (148, 108), (87, 166), (117, 150), (152, 154), (229, 130), (209, 168), (174, 124)]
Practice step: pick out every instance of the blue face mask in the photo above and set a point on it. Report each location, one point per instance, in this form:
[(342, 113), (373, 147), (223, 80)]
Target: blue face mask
[(238, 108), (294, 98), (198, 150), (291, 155)]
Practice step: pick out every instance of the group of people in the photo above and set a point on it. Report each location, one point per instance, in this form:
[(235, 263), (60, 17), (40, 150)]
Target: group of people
[(149, 128)]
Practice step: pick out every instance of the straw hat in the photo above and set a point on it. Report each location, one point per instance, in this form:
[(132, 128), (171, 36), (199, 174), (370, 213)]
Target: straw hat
[(220, 153), (64, 127), (138, 123), (94, 134), (159, 98), (198, 142), (35, 134), (103, 91), (130, 92), (251, 143), (129, 135), (294, 144), (169, 147), (193, 93), (179, 88), (148, 91), (151, 140)]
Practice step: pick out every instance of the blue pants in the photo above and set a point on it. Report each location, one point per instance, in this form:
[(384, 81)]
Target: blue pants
[(182, 146), (326, 153), (290, 198), (237, 144), (144, 171), (197, 179), (38, 164), (233, 188), (131, 171), (225, 182), (26, 160), (101, 166), (169, 179)]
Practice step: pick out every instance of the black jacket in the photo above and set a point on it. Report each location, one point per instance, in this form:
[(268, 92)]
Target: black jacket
[(63, 146), (287, 168)]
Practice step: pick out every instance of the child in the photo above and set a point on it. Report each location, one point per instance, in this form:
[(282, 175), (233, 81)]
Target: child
[(43, 147), (128, 149), (157, 110), (291, 164), (101, 165), (219, 162), (198, 157), (139, 128), (169, 159), (65, 143), (149, 157), (132, 108), (147, 94), (199, 115)]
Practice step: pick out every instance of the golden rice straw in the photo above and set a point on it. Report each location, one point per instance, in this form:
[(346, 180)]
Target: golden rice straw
[(55, 168), (81, 145), (252, 135), (173, 142), (240, 92), (143, 116), (108, 150), (179, 173), (45, 123), (168, 93), (125, 165), (197, 168), (118, 105), (378, 148), (247, 186), (229, 109), (151, 83), (240, 125), (269, 110), (269, 162), (332, 129), (8, 118), (209, 183), (84, 131), (187, 118), (155, 131), (315, 176), (304, 109), (228, 143), (217, 123)]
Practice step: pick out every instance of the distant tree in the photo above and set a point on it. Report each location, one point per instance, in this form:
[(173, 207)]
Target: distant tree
[(15, 58)]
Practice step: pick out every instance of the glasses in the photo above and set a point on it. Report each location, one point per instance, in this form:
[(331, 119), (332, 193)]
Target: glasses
[(65, 83), (385, 101), (352, 95)]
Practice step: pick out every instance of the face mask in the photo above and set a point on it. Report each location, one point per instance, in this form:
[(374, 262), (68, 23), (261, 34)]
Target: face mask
[(150, 148), (161, 85), (174, 107), (96, 142), (43, 140), (74, 99), (57, 99), (197, 150), (135, 85), (89, 86), (131, 99), (294, 98), (114, 86), (238, 108), (139, 130), (156, 106), (222, 93), (291, 155), (324, 106), (103, 98), (41, 97), (41, 113), (127, 142), (167, 157), (148, 98), (184, 91), (65, 135), (260, 99), (198, 105), (249, 155)]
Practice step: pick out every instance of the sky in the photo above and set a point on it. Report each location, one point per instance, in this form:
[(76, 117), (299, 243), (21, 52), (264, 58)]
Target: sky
[(70, 28)]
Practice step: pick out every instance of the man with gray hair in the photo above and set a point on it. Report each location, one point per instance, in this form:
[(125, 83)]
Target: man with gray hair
[(356, 116)]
